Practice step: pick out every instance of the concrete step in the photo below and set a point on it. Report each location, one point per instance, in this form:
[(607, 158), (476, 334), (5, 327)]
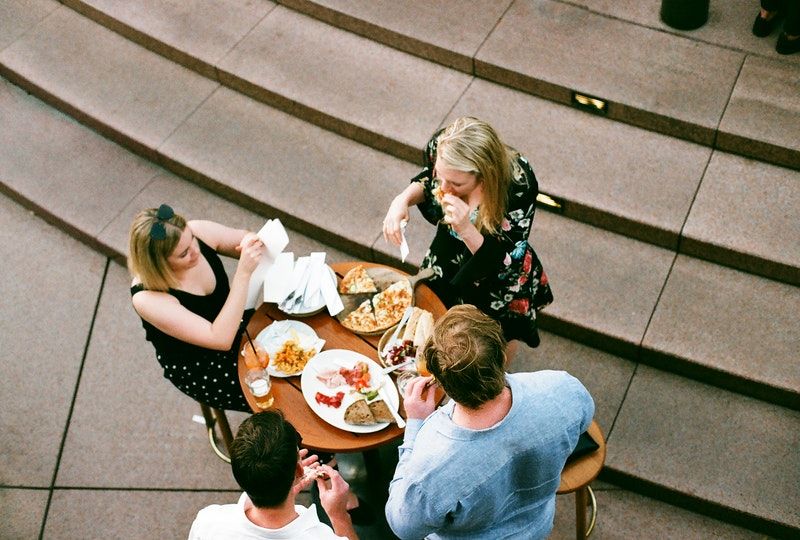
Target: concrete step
[(704, 321), (91, 188), (692, 445), (499, 45), (618, 177), (554, 49), (709, 450), (238, 148)]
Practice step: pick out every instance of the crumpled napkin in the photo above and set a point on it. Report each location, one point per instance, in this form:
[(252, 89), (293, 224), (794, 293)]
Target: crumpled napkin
[(403, 243)]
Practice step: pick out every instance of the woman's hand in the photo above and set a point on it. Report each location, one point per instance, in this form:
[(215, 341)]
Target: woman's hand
[(415, 405), (398, 212), (250, 251), (456, 212)]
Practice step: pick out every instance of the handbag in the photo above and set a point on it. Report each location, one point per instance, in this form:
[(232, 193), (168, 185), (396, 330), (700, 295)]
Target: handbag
[(540, 284)]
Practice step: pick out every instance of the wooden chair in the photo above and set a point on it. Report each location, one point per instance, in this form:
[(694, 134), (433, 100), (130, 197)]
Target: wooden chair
[(217, 416), (577, 475)]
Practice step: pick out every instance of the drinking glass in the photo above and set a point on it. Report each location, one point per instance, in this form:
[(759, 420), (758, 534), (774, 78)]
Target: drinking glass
[(255, 359), (261, 387)]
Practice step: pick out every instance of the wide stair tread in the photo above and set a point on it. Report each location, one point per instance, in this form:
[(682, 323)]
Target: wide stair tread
[(91, 188), (742, 102), (239, 148), (688, 443), (632, 181)]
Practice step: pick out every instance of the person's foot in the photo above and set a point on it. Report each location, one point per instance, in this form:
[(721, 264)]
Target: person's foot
[(787, 44), (764, 23)]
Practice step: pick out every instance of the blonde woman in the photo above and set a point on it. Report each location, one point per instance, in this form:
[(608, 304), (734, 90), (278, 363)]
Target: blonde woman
[(190, 313), (481, 195)]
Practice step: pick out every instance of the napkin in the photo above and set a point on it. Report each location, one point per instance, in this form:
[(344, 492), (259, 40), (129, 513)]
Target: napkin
[(312, 296), (307, 342), (403, 243), (278, 279), (331, 296), (275, 239), (299, 280)]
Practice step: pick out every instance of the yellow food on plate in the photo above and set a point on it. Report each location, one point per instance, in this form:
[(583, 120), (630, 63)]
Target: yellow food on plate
[(357, 281), (362, 319), (291, 358), (391, 303)]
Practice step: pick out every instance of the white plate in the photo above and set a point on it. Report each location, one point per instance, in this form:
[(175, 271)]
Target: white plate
[(336, 358), (276, 334), (307, 311)]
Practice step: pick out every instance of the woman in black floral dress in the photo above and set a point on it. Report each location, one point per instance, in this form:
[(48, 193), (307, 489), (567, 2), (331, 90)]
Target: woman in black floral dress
[(481, 195)]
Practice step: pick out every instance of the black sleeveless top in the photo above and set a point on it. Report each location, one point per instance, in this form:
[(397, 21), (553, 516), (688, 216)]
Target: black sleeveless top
[(205, 375)]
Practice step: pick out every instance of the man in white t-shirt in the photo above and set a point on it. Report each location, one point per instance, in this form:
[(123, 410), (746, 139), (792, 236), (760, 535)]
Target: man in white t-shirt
[(270, 468)]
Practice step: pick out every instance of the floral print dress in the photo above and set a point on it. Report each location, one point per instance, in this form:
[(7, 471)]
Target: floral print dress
[(504, 278)]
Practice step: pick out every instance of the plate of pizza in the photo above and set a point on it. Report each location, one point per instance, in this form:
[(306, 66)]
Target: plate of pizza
[(375, 299)]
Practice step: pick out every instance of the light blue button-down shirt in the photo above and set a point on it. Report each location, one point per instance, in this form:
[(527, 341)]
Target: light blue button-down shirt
[(500, 482)]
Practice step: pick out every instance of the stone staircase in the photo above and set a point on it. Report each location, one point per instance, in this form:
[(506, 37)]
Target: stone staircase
[(675, 248)]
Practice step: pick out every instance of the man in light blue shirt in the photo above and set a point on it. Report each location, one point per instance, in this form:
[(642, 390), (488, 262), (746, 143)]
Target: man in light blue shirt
[(487, 464)]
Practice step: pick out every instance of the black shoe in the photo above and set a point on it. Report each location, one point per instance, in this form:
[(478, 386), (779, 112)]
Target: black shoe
[(786, 45), (763, 27)]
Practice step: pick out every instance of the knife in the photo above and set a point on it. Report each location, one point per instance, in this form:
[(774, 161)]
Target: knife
[(385, 397)]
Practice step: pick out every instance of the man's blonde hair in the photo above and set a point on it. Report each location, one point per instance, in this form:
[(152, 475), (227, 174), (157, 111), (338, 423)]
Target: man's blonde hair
[(466, 355), (147, 256), (473, 146)]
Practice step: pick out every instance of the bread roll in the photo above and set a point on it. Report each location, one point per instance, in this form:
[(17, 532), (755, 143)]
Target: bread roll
[(424, 328), (411, 325)]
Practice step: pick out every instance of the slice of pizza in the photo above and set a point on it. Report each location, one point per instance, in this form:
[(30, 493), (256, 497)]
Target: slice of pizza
[(357, 281), (391, 303), (361, 319)]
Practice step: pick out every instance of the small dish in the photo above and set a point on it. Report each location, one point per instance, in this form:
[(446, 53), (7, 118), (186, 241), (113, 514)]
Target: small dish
[(273, 337), (382, 345)]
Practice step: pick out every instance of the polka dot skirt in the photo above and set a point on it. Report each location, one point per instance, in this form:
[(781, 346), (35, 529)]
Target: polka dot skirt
[(211, 378)]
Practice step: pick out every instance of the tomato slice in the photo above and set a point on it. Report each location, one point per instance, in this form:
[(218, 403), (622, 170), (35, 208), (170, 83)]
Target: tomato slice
[(330, 401)]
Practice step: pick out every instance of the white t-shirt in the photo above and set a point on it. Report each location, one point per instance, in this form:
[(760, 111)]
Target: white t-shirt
[(228, 521)]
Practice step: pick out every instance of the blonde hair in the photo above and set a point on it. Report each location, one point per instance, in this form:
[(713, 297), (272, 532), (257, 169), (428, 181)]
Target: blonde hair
[(147, 259), (466, 355), (473, 146)]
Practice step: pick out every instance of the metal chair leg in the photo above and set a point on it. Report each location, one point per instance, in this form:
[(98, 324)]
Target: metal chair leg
[(224, 428), (580, 513), (210, 421), (593, 519), (584, 497)]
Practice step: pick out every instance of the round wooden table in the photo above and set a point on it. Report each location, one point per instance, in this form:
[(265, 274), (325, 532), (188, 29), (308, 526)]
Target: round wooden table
[(318, 435)]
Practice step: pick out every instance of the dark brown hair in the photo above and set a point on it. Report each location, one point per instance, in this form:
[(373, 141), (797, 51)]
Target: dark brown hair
[(264, 457)]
